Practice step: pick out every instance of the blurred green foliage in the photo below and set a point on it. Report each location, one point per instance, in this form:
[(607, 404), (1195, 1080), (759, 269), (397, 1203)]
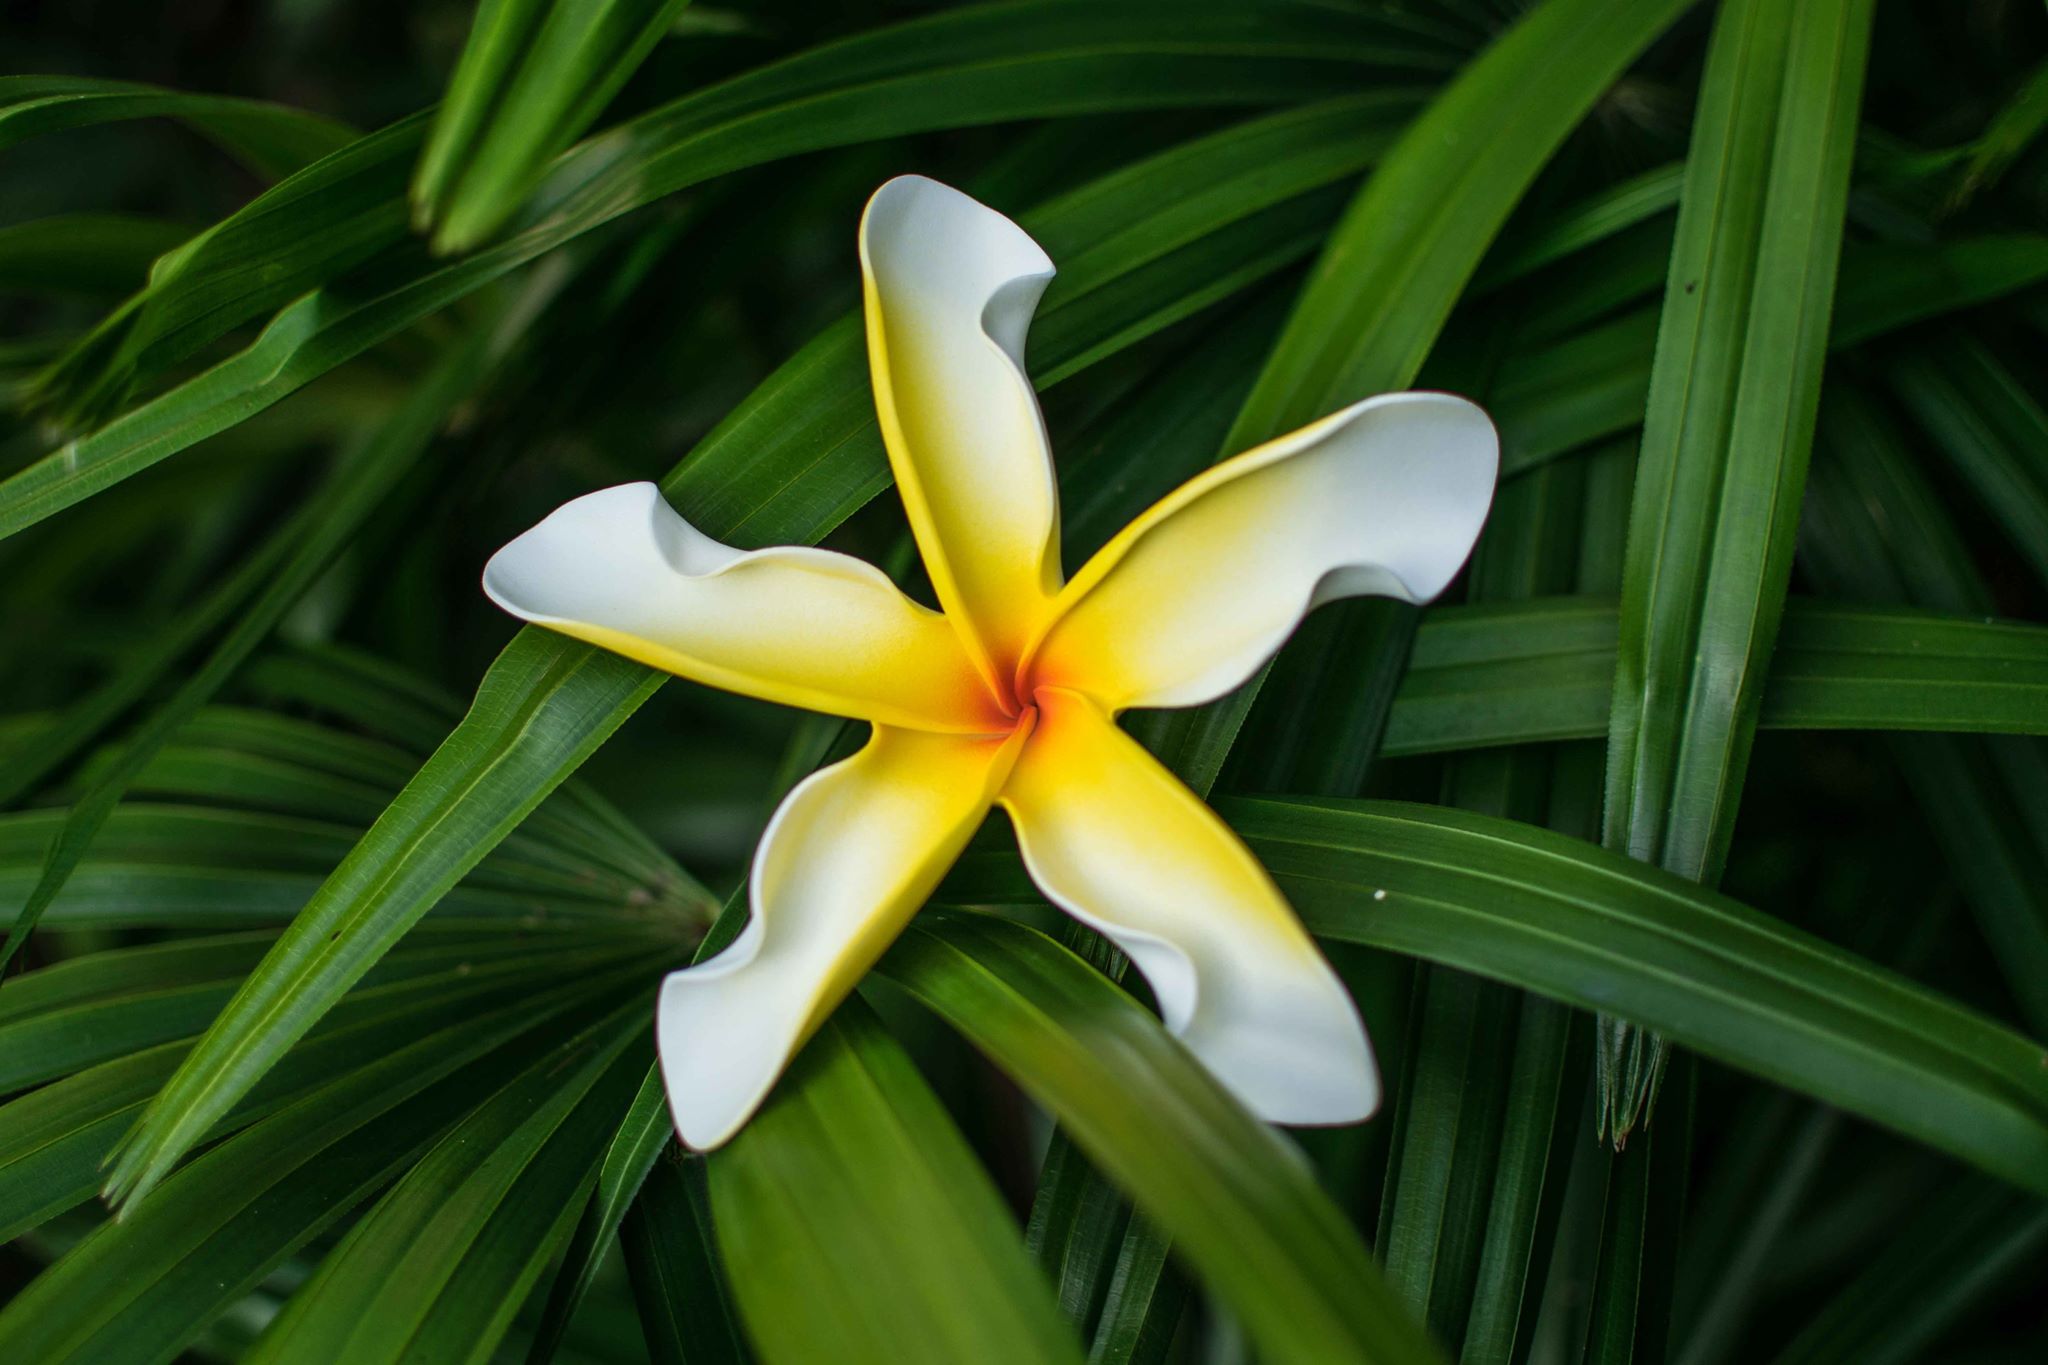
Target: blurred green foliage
[(352, 899)]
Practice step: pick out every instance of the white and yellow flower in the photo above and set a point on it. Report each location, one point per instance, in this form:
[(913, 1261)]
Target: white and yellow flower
[(1009, 696)]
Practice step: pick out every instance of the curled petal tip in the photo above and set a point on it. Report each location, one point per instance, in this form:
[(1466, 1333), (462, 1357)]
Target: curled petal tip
[(794, 624), (1443, 486), (950, 289), (1316, 1070), (848, 857), (1385, 497), (716, 1080), (1118, 842)]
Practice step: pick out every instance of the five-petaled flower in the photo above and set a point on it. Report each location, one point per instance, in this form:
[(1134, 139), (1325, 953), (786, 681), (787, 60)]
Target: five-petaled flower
[(1009, 697)]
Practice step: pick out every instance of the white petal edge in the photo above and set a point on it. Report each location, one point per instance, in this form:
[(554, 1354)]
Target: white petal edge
[(793, 624), (1383, 498), (1119, 843), (951, 289), (848, 857)]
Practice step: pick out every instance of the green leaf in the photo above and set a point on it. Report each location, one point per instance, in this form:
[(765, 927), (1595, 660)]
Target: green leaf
[(375, 695), (1544, 1078), (1729, 425), (1590, 222), (636, 1145), (1853, 668), (160, 864), (548, 702), (853, 1169), (436, 1270), (1146, 1297), (244, 870), (1378, 297), (533, 75), (341, 932), (155, 1278), (52, 1139), (1392, 268), (575, 844), (980, 65), (1749, 1204), (1966, 1242), (1740, 345), (1136, 252), (330, 217), (1992, 431), (279, 573), (1240, 1206), (2018, 124), (678, 1282), (1885, 286), (1875, 529), (1108, 1265), (1077, 1220), (1479, 1125), (1595, 929), (324, 329), (1448, 1116), (101, 1006), (84, 253), (1515, 673), (49, 746), (1642, 1206), (1595, 383), (273, 140)]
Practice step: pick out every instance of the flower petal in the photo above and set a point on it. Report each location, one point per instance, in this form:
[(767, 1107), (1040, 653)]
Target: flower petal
[(1385, 498), (1121, 845), (796, 625), (951, 286), (850, 855)]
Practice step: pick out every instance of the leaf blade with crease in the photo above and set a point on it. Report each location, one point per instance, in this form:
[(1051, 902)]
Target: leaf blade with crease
[(285, 567), (1733, 394), (548, 702)]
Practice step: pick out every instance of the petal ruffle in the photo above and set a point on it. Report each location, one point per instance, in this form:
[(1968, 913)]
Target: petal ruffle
[(1385, 497), (850, 855), (1118, 842), (792, 624), (951, 286)]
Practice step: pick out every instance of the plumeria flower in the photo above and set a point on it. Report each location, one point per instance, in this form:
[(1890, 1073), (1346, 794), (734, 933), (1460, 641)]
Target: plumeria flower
[(1009, 696)]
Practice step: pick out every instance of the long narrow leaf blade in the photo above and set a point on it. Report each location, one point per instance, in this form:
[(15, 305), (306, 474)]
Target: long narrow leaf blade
[(852, 1170), (1239, 1206), (1587, 926)]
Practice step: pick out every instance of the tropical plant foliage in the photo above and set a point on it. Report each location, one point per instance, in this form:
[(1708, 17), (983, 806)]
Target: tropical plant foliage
[(1690, 862)]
